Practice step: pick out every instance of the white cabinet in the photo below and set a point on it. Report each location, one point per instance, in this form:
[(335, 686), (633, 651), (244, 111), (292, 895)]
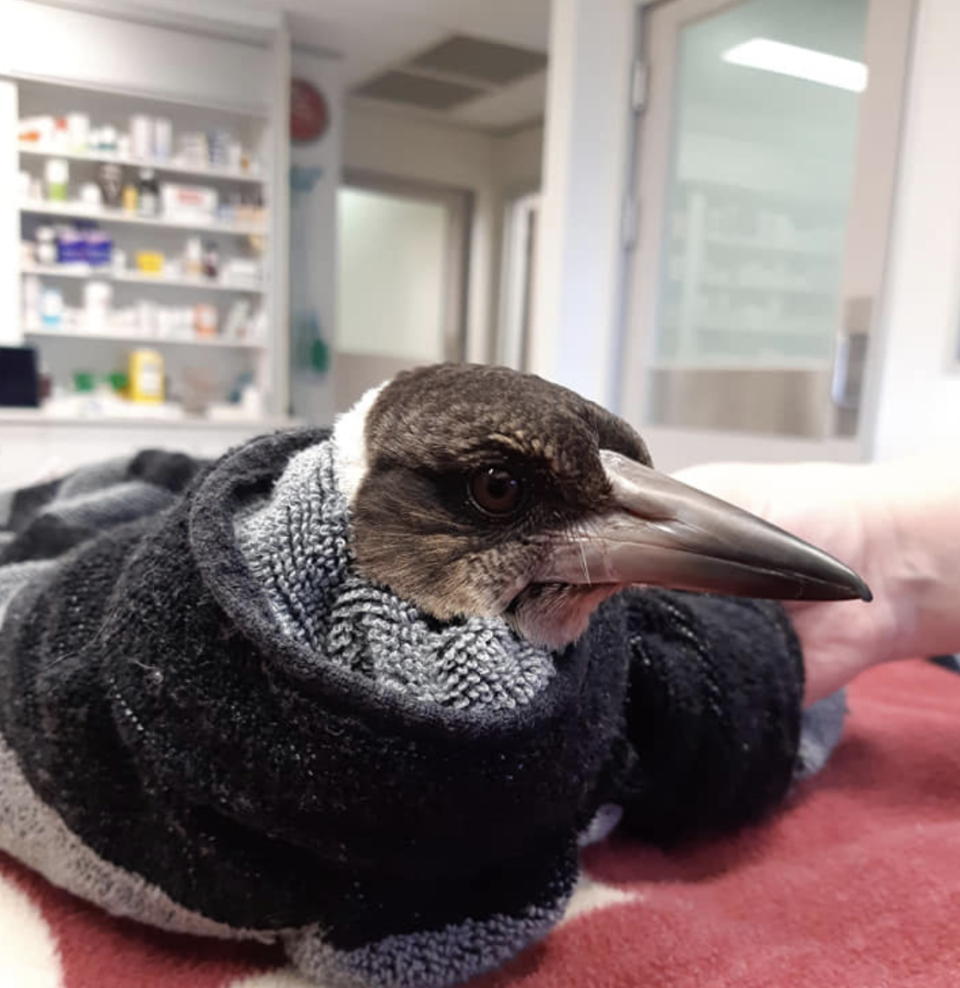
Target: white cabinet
[(145, 221), (202, 278)]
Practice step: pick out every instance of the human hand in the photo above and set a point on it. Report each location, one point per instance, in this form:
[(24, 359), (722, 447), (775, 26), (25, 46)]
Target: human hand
[(897, 525)]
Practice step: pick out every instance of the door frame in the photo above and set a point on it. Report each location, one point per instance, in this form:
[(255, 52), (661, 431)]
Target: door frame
[(517, 272)]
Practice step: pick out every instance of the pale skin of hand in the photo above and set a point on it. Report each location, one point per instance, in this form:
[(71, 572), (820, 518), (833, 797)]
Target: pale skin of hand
[(897, 524)]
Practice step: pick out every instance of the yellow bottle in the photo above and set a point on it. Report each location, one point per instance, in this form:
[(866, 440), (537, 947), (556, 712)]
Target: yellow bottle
[(146, 377)]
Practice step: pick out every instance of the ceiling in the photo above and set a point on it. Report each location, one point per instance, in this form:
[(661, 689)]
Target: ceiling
[(375, 35)]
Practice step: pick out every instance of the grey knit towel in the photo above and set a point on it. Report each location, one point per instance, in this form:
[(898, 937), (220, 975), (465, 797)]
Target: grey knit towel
[(296, 541)]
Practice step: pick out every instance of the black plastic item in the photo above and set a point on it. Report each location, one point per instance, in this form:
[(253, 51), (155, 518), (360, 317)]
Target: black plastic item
[(19, 387), (951, 662)]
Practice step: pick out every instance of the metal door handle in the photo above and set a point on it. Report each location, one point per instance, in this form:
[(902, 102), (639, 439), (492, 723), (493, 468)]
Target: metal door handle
[(849, 364)]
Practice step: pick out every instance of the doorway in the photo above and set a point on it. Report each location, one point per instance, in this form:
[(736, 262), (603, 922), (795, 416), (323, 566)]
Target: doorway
[(403, 259), (767, 153)]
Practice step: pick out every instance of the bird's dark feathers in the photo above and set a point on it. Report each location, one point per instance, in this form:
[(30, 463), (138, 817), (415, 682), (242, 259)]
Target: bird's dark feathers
[(427, 432)]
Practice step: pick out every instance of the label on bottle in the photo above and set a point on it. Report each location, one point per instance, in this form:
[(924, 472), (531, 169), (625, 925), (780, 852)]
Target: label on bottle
[(151, 381), (148, 203)]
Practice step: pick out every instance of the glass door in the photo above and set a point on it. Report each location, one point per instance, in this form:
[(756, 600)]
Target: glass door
[(766, 161)]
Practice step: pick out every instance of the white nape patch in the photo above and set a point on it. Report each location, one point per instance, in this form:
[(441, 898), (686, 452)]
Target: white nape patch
[(350, 444)]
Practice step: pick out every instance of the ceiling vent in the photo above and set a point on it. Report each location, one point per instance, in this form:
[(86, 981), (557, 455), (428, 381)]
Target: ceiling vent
[(417, 90), (482, 61), (453, 72)]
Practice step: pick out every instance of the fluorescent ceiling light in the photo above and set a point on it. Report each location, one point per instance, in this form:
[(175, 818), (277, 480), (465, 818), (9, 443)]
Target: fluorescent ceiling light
[(803, 63)]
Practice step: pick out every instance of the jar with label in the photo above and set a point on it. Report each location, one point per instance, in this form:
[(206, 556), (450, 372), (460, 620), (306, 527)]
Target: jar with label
[(97, 300), (193, 258), (51, 307), (211, 259), (46, 245), (141, 136), (148, 193), (205, 320), (57, 175), (110, 180), (146, 377), (129, 198), (162, 139), (90, 195)]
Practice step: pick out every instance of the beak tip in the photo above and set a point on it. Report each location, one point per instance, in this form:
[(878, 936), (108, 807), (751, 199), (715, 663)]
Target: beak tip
[(866, 594)]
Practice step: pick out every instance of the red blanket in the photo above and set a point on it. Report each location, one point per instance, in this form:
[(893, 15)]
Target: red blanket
[(855, 883)]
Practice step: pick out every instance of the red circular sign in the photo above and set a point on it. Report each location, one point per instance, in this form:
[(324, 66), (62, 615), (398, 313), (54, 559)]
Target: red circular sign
[(309, 114)]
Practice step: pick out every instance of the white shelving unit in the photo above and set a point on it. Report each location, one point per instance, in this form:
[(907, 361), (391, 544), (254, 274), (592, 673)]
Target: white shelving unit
[(78, 211), (163, 166), (68, 336), (86, 273), (218, 361)]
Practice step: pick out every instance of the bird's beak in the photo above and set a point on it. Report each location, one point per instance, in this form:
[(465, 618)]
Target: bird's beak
[(664, 533)]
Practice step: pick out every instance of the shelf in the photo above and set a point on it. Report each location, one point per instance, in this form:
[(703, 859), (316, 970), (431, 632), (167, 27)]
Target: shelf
[(805, 365), (721, 286), (144, 419), (782, 201), (80, 212), (771, 329), (105, 157), (123, 95), (132, 278), (63, 334), (735, 243), (773, 332)]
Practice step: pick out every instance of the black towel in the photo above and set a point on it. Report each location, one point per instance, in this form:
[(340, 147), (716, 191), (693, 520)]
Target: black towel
[(210, 723)]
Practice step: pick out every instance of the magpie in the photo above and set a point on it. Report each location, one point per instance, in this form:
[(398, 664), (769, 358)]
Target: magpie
[(482, 491)]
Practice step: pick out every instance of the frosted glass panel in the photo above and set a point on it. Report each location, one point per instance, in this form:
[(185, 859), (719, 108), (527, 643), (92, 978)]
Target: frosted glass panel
[(391, 283), (760, 178)]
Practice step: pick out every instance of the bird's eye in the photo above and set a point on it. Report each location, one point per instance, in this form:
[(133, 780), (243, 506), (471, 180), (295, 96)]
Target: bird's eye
[(496, 490)]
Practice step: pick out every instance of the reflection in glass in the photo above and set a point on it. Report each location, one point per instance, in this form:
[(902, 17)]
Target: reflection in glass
[(760, 180)]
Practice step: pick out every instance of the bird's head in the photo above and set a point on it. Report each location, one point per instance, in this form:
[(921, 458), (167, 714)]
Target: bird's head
[(479, 491)]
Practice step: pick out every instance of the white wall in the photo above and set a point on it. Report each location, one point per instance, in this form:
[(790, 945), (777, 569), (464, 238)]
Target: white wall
[(518, 161), (574, 338), (405, 147), (44, 41), (390, 284), (916, 393), (314, 180)]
